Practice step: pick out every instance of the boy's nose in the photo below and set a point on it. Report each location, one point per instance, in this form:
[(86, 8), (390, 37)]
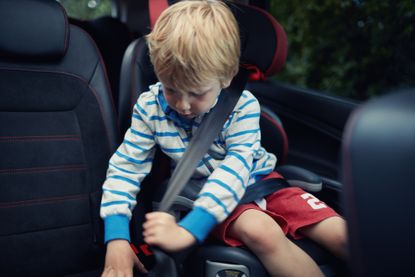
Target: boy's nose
[(182, 105)]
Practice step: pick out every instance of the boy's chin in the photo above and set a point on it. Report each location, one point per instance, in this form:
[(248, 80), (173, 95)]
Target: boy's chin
[(188, 116)]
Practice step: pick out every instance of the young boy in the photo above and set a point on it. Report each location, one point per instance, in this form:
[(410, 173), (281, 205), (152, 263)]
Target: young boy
[(195, 50)]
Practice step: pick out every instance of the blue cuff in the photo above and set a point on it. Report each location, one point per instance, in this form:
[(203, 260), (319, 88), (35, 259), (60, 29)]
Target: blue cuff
[(199, 223), (117, 227)]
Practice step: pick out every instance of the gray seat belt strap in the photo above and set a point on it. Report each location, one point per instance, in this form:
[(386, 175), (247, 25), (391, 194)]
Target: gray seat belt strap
[(208, 130)]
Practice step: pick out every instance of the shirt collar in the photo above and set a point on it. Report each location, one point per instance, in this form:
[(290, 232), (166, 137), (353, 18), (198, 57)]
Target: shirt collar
[(170, 113)]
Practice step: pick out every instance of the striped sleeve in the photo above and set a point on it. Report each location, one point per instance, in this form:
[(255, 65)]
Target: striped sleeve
[(227, 184), (128, 166)]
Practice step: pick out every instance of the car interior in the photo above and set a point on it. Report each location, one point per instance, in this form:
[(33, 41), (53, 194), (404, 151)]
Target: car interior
[(67, 88)]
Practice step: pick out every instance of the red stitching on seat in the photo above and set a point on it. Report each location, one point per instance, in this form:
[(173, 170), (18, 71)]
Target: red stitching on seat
[(43, 169), (43, 201), (40, 138)]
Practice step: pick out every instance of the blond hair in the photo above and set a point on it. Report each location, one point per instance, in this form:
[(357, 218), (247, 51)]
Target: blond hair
[(194, 42)]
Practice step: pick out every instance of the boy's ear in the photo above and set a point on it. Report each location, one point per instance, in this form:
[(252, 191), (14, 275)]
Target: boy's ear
[(226, 83)]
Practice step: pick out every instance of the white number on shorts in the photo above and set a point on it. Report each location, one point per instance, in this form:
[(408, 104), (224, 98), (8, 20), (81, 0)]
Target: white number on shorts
[(313, 201)]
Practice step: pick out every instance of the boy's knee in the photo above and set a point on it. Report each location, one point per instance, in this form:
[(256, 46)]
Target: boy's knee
[(339, 233), (260, 230), (341, 238)]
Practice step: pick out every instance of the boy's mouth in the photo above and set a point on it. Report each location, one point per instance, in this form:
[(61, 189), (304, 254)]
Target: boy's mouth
[(187, 116)]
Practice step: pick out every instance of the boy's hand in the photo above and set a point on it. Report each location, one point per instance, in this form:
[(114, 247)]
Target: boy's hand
[(161, 229), (120, 259)]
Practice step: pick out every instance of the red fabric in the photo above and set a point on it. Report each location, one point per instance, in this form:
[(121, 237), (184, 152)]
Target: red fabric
[(284, 137), (292, 208), (272, 175), (281, 51), (255, 73), (156, 7)]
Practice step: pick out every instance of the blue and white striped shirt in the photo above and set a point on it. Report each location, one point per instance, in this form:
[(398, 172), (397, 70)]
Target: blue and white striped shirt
[(234, 161)]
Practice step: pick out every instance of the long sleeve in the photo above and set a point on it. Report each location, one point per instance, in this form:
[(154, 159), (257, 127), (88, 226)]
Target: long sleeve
[(244, 159), (128, 166)]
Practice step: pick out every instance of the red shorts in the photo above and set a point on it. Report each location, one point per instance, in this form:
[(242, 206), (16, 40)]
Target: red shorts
[(292, 208)]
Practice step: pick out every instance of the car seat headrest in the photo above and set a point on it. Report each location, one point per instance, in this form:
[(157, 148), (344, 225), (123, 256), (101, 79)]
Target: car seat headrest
[(42, 35), (264, 43)]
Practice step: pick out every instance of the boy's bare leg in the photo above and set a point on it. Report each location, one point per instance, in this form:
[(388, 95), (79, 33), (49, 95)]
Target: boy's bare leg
[(263, 236), (331, 233)]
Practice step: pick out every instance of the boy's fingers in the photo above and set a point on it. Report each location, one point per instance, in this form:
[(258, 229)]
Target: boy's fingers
[(148, 233), (151, 222), (154, 223), (153, 215), (151, 227), (153, 240)]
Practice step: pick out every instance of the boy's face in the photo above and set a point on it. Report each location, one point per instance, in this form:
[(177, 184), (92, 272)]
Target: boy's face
[(190, 104)]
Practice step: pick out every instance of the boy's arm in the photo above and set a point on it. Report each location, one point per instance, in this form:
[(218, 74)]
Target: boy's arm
[(227, 184), (128, 166)]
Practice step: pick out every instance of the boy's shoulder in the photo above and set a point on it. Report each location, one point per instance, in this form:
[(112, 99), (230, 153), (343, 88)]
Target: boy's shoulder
[(148, 102), (151, 93), (247, 100)]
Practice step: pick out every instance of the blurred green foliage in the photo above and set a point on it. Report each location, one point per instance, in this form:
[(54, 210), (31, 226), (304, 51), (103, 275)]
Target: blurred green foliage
[(86, 9), (356, 49)]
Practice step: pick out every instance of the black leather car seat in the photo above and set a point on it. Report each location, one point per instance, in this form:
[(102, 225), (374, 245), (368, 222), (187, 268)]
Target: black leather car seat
[(112, 38), (378, 160), (58, 131)]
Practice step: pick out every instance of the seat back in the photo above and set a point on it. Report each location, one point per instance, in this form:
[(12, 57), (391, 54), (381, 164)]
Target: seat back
[(112, 38), (58, 131), (378, 161)]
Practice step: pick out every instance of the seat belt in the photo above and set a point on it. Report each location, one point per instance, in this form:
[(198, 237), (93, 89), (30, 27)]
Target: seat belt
[(263, 188), (208, 130)]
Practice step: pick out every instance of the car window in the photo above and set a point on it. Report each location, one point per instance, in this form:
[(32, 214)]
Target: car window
[(86, 9), (353, 48)]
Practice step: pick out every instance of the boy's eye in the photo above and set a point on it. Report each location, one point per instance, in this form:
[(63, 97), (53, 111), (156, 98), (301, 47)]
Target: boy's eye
[(169, 91), (194, 94)]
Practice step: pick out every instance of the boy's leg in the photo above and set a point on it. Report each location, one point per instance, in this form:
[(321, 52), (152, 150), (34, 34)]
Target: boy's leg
[(263, 236), (331, 233), (310, 217)]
